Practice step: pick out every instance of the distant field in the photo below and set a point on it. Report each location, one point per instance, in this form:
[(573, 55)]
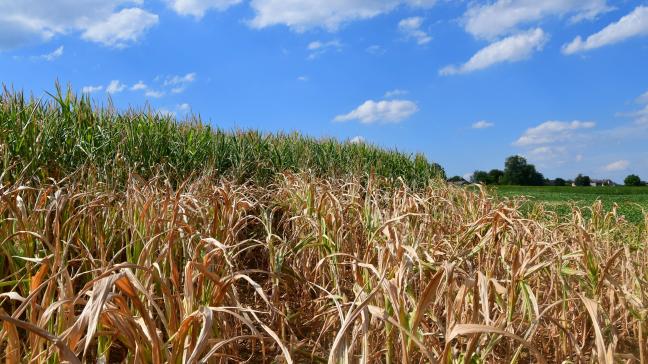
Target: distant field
[(630, 200)]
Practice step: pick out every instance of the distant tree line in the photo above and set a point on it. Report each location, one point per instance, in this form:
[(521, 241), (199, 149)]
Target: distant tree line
[(517, 171), (633, 180)]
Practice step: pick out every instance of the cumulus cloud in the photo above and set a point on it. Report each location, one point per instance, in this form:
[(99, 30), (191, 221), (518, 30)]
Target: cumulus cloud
[(122, 28), (483, 124), (555, 143), (139, 86), (91, 89), (115, 87), (643, 99), (502, 17), (154, 93), (179, 83), (552, 132), (511, 49), (386, 111), (411, 27), (148, 92), (30, 21), (317, 48), (49, 57), (617, 166), (395, 93), (357, 140), (180, 80), (556, 154), (632, 25), (301, 15), (162, 86), (641, 116), (198, 8), (376, 50)]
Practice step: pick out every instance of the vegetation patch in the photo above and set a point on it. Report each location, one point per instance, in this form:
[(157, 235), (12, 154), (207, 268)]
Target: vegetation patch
[(55, 138), (629, 202)]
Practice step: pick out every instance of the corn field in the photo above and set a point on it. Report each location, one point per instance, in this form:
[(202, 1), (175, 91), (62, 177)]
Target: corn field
[(63, 134), (103, 263)]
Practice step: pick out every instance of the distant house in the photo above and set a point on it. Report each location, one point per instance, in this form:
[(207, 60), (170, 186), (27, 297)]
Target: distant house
[(599, 183), (458, 181), (602, 183)]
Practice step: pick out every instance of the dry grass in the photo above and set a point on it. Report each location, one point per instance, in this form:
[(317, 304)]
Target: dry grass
[(309, 270)]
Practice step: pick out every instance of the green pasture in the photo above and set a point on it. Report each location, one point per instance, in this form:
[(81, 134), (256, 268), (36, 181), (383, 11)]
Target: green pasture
[(631, 202)]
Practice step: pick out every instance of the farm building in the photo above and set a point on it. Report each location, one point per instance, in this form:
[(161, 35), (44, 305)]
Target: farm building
[(599, 183), (602, 182)]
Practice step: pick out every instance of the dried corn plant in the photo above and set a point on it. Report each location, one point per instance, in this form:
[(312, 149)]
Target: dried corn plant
[(312, 270)]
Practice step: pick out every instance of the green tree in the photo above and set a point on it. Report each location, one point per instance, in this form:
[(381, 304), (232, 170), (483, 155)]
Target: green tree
[(496, 176), (559, 182), (632, 180), (582, 181), (456, 179), (481, 177), (518, 172)]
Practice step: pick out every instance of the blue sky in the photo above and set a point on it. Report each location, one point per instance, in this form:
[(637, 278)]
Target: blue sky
[(561, 82)]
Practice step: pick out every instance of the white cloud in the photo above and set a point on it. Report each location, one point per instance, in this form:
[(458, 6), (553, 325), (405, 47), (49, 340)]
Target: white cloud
[(91, 89), (171, 84), (512, 49), (617, 166), (555, 154), (122, 28), (180, 80), (184, 107), (392, 111), (395, 93), (148, 92), (49, 57), (139, 86), (357, 140), (317, 48), (30, 21), (643, 99), (376, 50), (502, 17), (632, 25), (154, 93), (57, 53), (552, 132), (483, 124), (302, 78), (179, 83), (198, 8), (301, 15), (411, 27), (641, 116), (115, 87)]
